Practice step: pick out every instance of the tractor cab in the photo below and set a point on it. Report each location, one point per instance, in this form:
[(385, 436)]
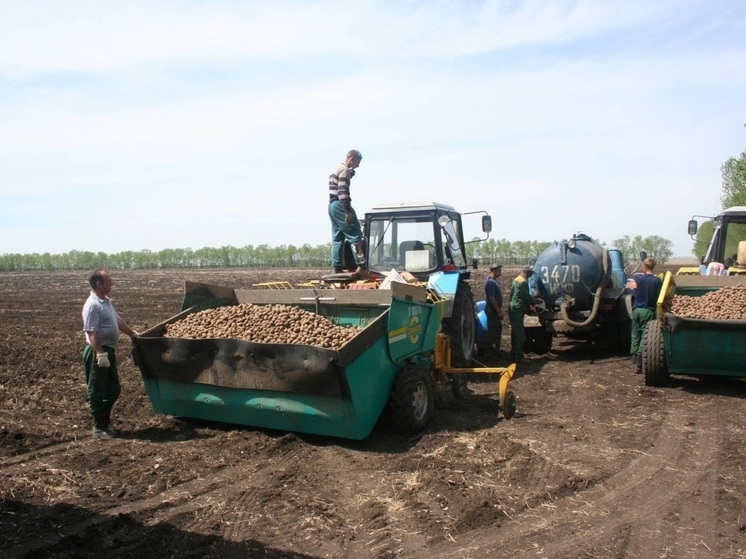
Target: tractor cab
[(418, 238), (727, 247)]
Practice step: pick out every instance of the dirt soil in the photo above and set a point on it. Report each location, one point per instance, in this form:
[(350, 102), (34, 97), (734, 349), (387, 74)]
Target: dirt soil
[(594, 464)]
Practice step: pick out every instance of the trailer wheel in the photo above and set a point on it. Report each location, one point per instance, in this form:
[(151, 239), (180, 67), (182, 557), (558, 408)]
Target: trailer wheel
[(412, 402), (510, 405), (458, 386), (461, 327), (654, 367)]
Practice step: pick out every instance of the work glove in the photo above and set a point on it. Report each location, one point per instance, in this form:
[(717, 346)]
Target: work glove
[(349, 219), (102, 360)]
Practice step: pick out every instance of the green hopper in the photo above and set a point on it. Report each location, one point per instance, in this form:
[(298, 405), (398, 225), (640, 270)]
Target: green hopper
[(692, 346), (305, 388)]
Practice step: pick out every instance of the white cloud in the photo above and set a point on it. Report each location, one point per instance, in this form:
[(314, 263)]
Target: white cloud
[(80, 36)]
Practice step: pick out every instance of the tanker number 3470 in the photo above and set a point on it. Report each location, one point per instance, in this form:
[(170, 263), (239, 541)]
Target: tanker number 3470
[(562, 274)]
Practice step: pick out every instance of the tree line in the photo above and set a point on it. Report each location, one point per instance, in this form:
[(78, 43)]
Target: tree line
[(288, 256), (306, 256)]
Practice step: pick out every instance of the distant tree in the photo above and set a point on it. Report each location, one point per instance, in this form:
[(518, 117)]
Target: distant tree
[(625, 245), (659, 248), (734, 181), (656, 247)]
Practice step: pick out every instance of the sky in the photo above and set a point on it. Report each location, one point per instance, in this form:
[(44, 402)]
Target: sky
[(182, 123)]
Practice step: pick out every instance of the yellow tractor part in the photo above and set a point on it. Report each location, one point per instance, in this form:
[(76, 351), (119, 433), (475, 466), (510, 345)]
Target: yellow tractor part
[(689, 271), (443, 367), (273, 285)]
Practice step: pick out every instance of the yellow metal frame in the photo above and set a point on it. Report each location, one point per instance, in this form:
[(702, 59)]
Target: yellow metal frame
[(689, 271), (667, 291), (443, 365), (273, 285)]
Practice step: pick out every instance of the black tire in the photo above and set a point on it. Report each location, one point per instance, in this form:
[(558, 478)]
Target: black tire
[(412, 401), (528, 341), (458, 386), (654, 367), (510, 405), (537, 340), (541, 340), (617, 334), (461, 326), (624, 335), (610, 332)]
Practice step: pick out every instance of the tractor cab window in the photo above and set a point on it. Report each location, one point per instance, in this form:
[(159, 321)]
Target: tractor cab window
[(401, 244), (451, 241), (734, 233), (729, 232)]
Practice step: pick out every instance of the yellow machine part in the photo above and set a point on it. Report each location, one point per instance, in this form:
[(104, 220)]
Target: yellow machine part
[(273, 285), (667, 290), (443, 365), (689, 271)]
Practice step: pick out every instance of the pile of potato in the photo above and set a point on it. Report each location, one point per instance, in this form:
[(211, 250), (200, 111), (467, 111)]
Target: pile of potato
[(268, 324), (728, 303)]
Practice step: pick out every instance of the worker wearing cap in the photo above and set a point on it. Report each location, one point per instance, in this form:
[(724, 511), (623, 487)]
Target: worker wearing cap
[(521, 302), (345, 224), (493, 308)]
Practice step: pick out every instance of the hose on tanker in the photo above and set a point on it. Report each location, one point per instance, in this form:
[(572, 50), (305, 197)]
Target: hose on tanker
[(596, 300), (590, 319)]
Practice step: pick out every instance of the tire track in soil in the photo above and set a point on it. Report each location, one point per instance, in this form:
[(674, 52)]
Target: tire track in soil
[(13, 464), (356, 507), (628, 515), (182, 499)]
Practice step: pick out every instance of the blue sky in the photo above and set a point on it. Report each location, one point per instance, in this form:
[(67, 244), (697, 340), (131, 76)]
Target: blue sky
[(164, 124)]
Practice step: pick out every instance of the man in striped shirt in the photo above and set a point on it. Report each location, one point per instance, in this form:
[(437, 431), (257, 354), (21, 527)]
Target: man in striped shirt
[(345, 225)]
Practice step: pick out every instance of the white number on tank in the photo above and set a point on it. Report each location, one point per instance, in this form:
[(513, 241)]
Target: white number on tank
[(561, 277)]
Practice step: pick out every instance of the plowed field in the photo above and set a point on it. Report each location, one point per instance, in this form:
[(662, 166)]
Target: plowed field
[(593, 465)]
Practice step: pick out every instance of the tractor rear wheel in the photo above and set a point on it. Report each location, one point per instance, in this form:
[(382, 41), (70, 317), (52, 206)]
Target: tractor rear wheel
[(412, 402), (461, 327), (654, 367)]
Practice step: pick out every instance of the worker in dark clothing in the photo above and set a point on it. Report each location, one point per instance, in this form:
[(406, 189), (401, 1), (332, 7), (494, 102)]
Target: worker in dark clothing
[(493, 308), (647, 287), (521, 302), (345, 224)]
